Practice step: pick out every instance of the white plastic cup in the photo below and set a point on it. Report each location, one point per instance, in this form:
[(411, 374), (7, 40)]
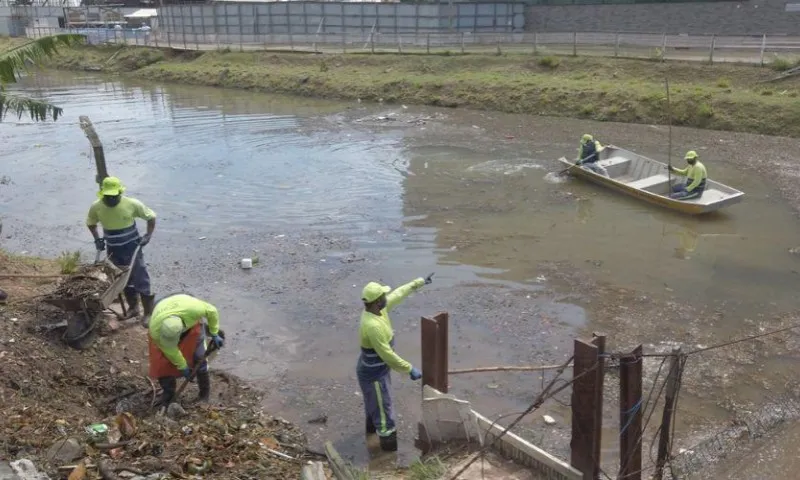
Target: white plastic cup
[(247, 263)]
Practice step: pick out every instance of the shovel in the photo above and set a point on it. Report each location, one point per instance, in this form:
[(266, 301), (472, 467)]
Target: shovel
[(210, 352)]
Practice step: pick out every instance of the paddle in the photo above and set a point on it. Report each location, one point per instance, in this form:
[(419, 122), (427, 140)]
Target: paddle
[(562, 172), (669, 152)]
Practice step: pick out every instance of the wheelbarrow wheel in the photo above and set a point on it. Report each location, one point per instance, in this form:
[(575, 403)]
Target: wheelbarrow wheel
[(80, 333)]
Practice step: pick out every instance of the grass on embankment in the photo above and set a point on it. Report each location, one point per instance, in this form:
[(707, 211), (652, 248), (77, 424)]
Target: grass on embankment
[(719, 96)]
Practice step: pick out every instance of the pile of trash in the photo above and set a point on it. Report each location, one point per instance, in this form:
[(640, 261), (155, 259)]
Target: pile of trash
[(87, 414), (199, 442)]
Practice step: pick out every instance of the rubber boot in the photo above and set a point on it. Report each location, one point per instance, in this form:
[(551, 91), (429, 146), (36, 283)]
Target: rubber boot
[(132, 299), (389, 442), (168, 385), (370, 427), (148, 303), (204, 383)]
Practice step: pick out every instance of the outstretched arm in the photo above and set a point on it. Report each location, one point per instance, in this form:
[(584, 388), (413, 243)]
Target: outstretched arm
[(399, 294)]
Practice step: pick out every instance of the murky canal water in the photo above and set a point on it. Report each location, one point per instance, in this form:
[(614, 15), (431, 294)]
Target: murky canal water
[(365, 196)]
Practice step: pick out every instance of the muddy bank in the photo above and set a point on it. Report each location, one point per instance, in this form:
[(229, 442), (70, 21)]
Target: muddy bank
[(51, 394), (720, 96)]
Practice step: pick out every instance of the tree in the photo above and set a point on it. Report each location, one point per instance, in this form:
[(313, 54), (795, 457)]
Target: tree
[(16, 61)]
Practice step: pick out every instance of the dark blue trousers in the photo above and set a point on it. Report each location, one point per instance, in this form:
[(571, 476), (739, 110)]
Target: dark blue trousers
[(378, 403)]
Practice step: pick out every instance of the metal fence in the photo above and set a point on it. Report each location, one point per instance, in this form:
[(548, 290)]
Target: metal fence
[(741, 49)]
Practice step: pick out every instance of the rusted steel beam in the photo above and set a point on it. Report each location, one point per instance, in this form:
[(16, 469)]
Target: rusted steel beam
[(430, 371), (673, 383), (630, 416), (599, 341), (442, 350), (584, 411)]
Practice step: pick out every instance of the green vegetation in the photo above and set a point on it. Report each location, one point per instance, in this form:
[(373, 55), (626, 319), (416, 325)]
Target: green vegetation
[(15, 60), (68, 262), (718, 96), (430, 468)]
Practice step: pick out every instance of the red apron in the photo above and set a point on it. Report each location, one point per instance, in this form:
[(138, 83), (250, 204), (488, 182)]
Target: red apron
[(160, 366)]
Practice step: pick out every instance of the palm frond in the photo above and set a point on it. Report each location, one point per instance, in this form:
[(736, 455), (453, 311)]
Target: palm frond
[(15, 61), (38, 110)]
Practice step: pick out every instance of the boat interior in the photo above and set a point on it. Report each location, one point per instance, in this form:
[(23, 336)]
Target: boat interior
[(644, 174)]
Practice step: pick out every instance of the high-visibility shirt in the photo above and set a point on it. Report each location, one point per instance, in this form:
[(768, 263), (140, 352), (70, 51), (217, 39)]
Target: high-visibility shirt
[(190, 310), (696, 174), (119, 217), (376, 332)]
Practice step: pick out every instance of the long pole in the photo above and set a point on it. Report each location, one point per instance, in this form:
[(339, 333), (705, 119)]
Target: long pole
[(669, 152)]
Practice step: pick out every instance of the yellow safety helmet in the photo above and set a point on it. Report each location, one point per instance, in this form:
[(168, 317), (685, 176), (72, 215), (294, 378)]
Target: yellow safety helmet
[(690, 155), (586, 138)]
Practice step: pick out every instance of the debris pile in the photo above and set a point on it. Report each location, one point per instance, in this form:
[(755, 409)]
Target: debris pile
[(87, 414)]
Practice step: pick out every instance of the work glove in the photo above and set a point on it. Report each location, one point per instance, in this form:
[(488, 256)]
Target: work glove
[(186, 373), (218, 340), (429, 279), (144, 240), (100, 243), (415, 374)]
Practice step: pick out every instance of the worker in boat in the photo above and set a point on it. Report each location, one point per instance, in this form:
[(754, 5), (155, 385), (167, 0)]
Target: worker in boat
[(696, 176), (589, 154), (118, 213), (177, 342), (378, 357)]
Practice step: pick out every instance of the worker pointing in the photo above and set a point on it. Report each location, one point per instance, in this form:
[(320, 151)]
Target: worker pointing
[(178, 342), (118, 214), (378, 357)]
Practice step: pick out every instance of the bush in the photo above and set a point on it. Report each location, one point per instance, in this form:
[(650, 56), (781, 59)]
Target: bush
[(549, 62), (69, 261), (723, 83), (780, 64)]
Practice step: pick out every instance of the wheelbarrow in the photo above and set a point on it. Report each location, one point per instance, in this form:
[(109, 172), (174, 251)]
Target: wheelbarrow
[(85, 310)]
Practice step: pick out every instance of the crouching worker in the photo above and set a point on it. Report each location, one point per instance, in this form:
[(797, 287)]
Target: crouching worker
[(178, 342), (378, 357)]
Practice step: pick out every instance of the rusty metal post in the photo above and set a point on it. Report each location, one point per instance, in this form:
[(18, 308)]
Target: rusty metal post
[(630, 416), (428, 330), (97, 148), (442, 350), (666, 417), (599, 340), (584, 411)]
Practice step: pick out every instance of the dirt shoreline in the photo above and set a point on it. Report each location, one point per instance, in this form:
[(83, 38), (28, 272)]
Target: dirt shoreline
[(728, 97), (50, 393)]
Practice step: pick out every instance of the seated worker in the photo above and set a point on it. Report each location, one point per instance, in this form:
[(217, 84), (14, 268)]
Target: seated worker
[(590, 154), (696, 175)]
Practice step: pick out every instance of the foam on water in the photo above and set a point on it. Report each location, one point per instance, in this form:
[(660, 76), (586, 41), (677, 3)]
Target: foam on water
[(555, 178)]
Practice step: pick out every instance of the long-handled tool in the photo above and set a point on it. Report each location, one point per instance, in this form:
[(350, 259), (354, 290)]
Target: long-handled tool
[(210, 352), (576, 164)]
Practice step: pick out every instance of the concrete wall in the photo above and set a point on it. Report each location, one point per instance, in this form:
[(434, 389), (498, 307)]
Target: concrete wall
[(446, 418), (297, 17), (754, 17)]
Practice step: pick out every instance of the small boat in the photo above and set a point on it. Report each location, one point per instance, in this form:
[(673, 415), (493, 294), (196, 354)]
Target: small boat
[(647, 179)]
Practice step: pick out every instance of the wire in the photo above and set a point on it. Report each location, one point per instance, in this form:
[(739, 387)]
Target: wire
[(632, 413), (540, 399), (712, 347)]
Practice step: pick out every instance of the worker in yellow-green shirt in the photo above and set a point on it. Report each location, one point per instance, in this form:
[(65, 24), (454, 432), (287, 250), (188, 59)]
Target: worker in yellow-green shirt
[(118, 213), (696, 176), (378, 357), (177, 338)]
